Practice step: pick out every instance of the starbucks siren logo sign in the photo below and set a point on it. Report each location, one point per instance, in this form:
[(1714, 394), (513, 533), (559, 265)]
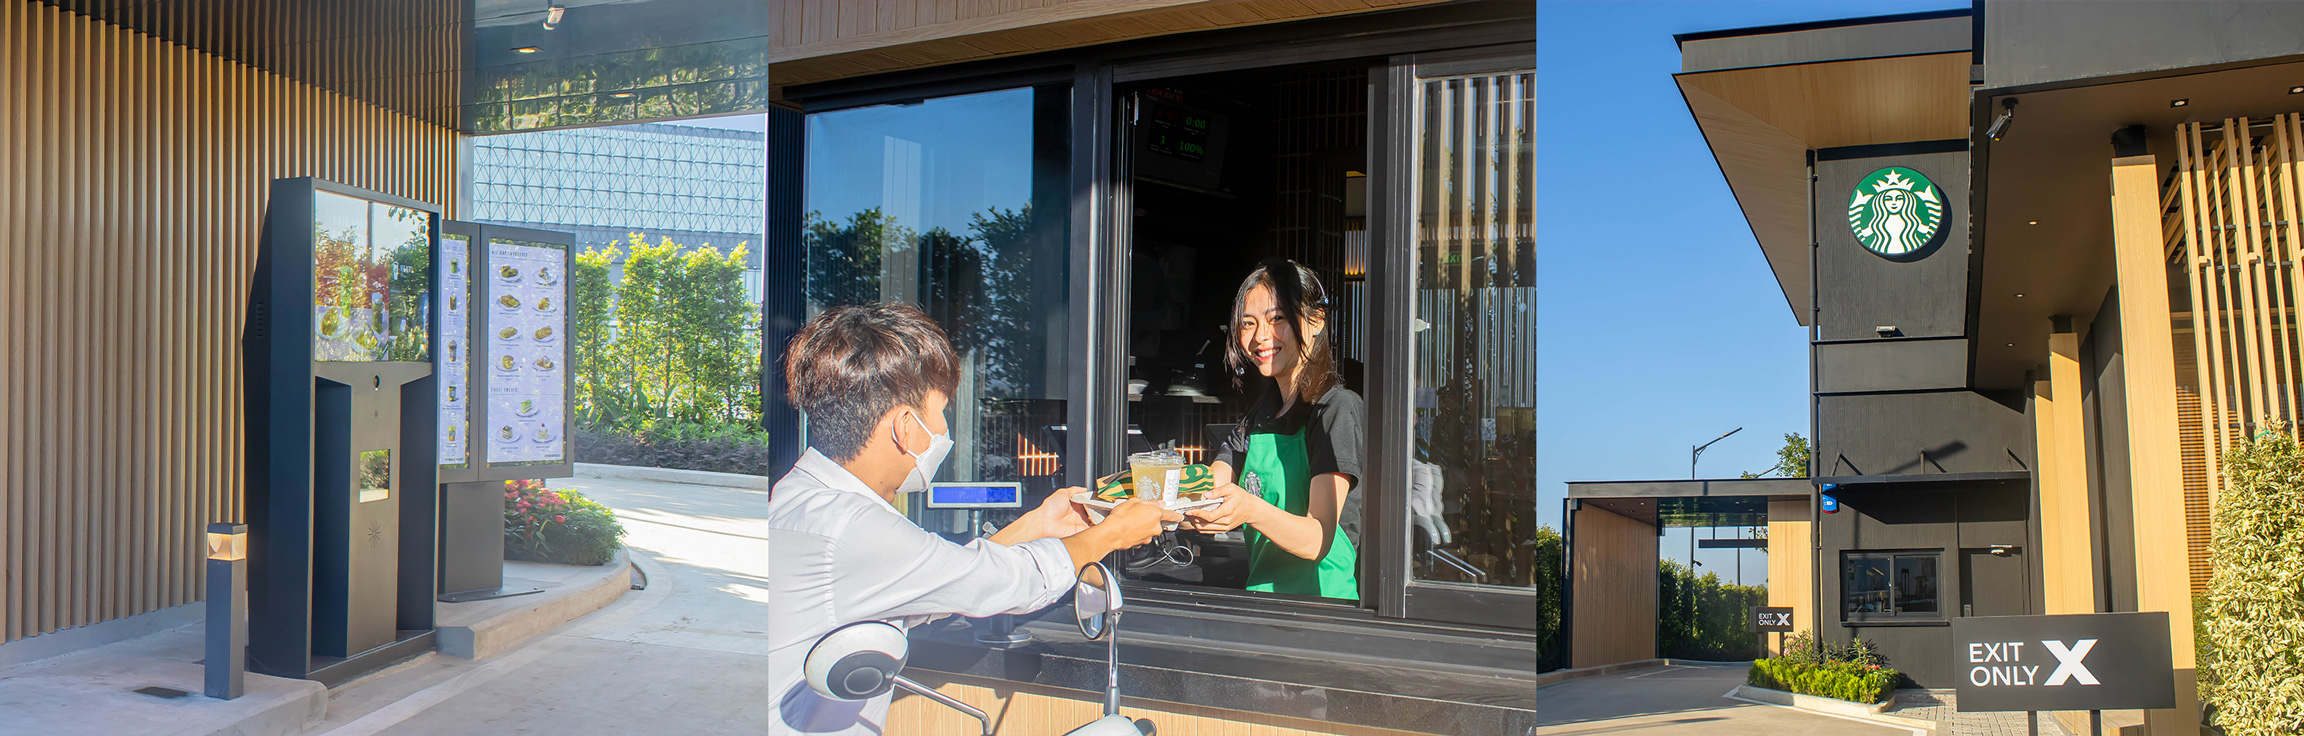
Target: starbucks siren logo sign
[(1896, 213)]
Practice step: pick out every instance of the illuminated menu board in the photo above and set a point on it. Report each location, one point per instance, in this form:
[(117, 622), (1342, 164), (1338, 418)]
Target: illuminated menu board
[(455, 308), (527, 354), (371, 280)]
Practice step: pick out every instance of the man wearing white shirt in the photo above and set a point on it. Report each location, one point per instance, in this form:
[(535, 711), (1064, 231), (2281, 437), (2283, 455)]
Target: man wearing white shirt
[(874, 380)]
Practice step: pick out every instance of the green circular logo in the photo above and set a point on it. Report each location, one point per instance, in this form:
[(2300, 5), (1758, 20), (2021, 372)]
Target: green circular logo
[(1897, 213)]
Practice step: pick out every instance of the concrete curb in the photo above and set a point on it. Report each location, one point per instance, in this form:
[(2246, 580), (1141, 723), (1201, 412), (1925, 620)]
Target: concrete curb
[(1560, 676), (292, 707), (672, 475), (548, 610), (1833, 706)]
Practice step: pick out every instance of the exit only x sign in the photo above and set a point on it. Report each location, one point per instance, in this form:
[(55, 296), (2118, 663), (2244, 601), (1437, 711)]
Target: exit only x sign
[(2095, 661)]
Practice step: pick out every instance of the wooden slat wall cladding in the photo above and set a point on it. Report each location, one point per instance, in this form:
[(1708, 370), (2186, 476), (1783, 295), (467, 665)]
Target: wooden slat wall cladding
[(133, 177), (2230, 219), (817, 40)]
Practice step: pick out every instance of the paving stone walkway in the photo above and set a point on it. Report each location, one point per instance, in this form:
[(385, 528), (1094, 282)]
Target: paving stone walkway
[(1939, 706)]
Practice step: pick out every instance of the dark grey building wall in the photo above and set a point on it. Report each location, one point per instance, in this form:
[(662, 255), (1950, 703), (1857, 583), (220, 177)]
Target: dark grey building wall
[(1951, 519), (2036, 42), (2106, 405), (1885, 434), (1856, 290)]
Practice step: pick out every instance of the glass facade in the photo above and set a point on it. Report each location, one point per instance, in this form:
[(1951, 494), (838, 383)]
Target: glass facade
[(698, 186), (1472, 500), (958, 205)]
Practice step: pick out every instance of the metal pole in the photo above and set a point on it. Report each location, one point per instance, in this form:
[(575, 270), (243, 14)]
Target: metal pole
[(2032, 722), (227, 628), (2096, 723)]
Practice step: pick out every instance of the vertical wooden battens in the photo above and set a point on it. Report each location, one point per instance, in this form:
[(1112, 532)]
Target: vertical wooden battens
[(133, 173), (2154, 457)]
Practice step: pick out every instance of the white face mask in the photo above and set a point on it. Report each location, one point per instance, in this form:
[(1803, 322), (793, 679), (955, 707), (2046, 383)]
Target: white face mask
[(926, 463)]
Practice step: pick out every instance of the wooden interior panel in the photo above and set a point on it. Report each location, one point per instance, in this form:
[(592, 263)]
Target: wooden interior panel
[(133, 174), (1031, 710), (1791, 563), (1614, 573)]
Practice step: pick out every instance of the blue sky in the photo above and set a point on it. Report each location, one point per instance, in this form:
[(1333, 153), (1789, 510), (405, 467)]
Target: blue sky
[(1661, 324)]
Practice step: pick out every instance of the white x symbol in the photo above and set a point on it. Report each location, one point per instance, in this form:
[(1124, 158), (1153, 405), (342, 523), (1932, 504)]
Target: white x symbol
[(2068, 664)]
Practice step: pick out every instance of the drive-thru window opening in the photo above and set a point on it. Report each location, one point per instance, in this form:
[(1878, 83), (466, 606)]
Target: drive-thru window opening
[(1292, 140)]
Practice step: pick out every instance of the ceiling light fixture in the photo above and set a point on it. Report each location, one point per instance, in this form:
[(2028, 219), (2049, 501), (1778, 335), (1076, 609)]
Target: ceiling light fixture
[(2019, 295), (553, 14), (2296, 90), (2031, 222), (2180, 103), (2007, 117), (621, 95), (525, 50)]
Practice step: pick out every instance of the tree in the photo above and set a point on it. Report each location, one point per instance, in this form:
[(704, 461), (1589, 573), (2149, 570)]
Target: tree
[(2252, 617), (1791, 459), (679, 344)]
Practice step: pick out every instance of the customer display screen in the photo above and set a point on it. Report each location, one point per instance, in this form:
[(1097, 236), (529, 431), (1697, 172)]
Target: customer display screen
[(963, 495), (371, 280), (527, 355)]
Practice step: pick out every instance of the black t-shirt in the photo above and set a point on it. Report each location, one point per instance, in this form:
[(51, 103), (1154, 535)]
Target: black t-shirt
[(1333, 442)]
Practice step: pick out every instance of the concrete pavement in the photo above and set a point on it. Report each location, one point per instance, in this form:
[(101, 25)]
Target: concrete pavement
[(1682, 699), (687, 656)]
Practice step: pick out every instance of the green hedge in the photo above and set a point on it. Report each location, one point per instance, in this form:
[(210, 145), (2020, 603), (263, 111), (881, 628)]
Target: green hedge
[(1851, 672), (2251, 621), (1702, 617), (547, 525), (1839, 680)]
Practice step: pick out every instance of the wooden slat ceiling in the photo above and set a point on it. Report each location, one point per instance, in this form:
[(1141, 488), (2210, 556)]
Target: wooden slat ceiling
[(817, 40), (1761, 122)]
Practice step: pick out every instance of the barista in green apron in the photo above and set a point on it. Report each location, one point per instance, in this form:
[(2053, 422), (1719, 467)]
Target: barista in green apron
[(1289, 469)]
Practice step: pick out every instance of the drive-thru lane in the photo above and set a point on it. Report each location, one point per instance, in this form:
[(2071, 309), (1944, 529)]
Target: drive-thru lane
[(686, 656), (1682, 699)]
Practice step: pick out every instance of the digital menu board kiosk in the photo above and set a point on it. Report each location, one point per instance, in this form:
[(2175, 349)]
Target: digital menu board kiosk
[(503, 391), (338, 355)]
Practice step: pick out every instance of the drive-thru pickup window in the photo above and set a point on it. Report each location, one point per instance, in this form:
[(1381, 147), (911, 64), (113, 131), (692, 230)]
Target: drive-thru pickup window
[(1889, 584)]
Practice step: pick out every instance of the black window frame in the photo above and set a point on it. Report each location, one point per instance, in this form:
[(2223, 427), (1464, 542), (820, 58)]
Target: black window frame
[(1391, 43), (1893, 557)]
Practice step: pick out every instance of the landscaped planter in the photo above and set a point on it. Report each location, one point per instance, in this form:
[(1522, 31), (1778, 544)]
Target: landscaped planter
[(1816, 703)]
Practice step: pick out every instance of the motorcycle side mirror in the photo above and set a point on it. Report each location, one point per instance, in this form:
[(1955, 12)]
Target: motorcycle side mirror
[(858, 661), (1096, 600)]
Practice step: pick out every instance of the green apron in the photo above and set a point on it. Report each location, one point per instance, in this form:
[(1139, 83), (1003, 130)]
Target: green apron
[(1284, 472)]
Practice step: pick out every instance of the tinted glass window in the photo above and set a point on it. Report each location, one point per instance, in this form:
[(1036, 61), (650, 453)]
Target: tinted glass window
[(1876, 584), (958, 205)]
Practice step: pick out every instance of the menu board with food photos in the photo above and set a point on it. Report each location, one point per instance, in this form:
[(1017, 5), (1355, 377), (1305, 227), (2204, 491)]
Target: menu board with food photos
[(454, 305), (527, 353)]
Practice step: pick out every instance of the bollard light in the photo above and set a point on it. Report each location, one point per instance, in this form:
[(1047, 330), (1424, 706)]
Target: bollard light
[(227, 645), (227, 542)]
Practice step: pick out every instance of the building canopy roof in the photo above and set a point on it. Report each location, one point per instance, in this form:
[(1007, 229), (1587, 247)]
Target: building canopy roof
[(1764, 97)]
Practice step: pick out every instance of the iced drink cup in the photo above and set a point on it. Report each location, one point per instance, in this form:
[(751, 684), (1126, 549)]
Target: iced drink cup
[(1155, 474)]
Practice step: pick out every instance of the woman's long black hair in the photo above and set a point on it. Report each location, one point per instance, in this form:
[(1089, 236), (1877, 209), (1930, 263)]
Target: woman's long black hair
[(1297, 297)]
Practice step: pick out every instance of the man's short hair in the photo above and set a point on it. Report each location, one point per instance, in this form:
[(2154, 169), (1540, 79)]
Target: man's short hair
[(851, 365)]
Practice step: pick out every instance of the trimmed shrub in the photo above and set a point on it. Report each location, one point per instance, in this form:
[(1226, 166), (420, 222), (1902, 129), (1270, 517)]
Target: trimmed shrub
[(1851, 672), (720, 449), (546, 525), (2252, 619), (1702, 617)]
